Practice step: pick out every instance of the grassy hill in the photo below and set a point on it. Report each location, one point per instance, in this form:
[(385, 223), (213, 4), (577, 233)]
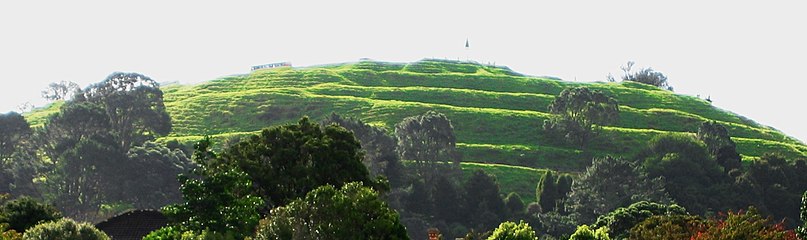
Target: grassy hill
[(497, 113)]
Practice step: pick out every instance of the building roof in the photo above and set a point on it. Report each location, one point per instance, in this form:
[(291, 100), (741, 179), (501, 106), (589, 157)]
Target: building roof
[(133, 224)]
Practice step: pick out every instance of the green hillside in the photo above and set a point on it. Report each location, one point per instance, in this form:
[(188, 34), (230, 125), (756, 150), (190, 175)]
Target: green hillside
[(497, 114)]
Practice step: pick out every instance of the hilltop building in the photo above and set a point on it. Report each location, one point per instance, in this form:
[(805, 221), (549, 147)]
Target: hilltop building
[(272, 65)]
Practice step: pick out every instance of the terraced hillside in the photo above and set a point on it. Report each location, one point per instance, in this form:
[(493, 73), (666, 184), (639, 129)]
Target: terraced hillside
[(497, 113)]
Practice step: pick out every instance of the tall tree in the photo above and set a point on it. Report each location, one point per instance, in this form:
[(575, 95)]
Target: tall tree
[(380, 156), (691, 177), (547, 192), (483, 203), (610, 183), (134, 105), (350, 212), (218, 199), (285, 162), (577, 110), (719, 144), (18, 161), (429, 141)]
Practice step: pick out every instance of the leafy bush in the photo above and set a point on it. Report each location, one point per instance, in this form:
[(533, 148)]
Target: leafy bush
[(666, 227), (25, 212), (743, 225), (512, 231), (620, 221), (584, 232), (64, 229)]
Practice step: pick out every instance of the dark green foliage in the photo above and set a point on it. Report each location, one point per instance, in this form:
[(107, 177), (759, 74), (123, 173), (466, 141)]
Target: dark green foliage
[(134, 106), (429, 141), (802, 230), (620, 221), (87, 175), (13, 131), (692, 178), (484, 206), (666, 227), (219, 200), (380, 156), (554, 224), (547, 192), (447, 200), (286, 162), (780, 184), (18, 160), (25, 212), (64, 229), (514, 204), (577, 110), (351, 212), (512, 231), (151, 182), (610, 183), (719, 144)]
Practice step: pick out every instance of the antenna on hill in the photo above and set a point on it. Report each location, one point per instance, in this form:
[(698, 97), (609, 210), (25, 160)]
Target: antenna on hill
[(466, 44)]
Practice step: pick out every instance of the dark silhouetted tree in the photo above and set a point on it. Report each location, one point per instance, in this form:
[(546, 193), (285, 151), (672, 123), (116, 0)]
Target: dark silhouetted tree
[(646, 76), (719, 144), (25, 212), (380, 156), (610, 183)]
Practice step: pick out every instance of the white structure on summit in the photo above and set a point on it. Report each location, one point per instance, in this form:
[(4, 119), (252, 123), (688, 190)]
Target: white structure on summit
[(272, 65)]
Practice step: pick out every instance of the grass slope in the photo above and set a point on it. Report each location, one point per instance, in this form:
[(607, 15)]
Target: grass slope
[(497, 113)]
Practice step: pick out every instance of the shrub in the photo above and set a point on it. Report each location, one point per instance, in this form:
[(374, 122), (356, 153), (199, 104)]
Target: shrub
[(64, 229), (25, 212), (512, 231)]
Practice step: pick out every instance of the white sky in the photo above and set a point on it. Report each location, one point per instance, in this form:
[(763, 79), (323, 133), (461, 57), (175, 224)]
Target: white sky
[(749, 57)]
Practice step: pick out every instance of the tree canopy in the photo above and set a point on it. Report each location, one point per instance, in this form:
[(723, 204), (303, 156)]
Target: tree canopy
[(512, 231), (429, 141), (577, 110), (286, 162), (350, 212)]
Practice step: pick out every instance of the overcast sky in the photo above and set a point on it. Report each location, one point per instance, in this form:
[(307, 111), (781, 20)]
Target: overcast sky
[(749, 57)]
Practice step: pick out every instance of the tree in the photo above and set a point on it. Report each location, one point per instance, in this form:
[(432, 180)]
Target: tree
[(447, 200), (780, 184), (585, 232), (620, 221), (380, 156), (286, 162), (547, 192), (577, 110), (18, 161), (719, 144), (802, 230), (483, 204), (65, 229), (152, 180), (219, 200), (87, 175), (25, 212), (62, 90), (666, 227), (743, 225), (646, 76), (351, 212), (134, 106), (428, 140), (691, 177), (512, 231), (514, 204), (610, 183)]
